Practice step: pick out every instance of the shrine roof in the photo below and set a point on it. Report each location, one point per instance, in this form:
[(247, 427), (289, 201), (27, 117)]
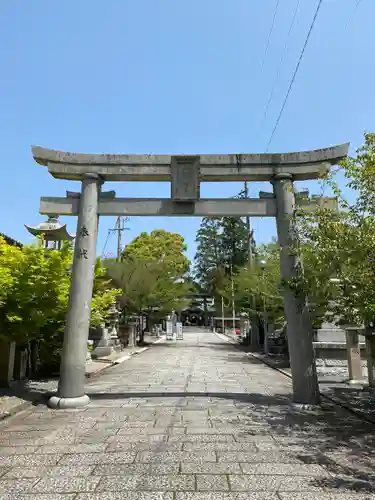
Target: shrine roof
[(11, 241)]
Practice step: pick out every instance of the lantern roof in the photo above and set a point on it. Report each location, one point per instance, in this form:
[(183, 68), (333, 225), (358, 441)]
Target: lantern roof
[(51, 230)]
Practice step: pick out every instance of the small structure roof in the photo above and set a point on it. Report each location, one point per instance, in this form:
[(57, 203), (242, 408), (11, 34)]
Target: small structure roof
[(51, 230), (11, 241)]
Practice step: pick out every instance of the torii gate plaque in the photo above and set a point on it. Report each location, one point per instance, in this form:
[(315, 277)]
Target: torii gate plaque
[(185, 174)]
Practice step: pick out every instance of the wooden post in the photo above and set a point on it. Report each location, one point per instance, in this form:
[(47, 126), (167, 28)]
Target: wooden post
[(8, 350), (353, 353), (370, 356)]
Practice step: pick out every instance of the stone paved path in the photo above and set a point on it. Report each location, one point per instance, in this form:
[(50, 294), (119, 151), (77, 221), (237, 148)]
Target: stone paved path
[(192, 420)]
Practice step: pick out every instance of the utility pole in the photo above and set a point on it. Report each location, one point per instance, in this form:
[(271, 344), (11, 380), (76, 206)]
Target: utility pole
[(248, 227), (222, 315), (119, 228), (252, 316), (233, 305)]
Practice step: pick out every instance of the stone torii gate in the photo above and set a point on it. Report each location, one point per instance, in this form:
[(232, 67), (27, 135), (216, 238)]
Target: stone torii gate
[(185, 174)]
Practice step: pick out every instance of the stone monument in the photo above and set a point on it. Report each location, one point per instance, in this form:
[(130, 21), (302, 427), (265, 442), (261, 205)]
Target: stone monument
[(107, 340)]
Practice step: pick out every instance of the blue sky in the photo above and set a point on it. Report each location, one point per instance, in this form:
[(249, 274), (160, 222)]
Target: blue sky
[(172, 76)]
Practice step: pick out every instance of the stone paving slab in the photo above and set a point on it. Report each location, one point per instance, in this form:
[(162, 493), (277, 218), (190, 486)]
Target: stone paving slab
[(227, 496), (132, 495), (146, 436), (23, 394), (47, 496)]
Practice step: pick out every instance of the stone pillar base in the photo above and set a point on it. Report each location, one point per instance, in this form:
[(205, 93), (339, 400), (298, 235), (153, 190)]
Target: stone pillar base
[(306, 407), (102, 351), (356, 382), (116, 345), (58, 403)]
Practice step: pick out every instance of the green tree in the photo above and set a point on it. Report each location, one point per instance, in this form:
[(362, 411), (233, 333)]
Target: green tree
[(34, 297), (209, 257), (262, 283), (162, 247), (339, 257), (147, 288), (105, 294), (152, 274), (39, 292), (234, 241), (137, 279), (11, 257), (222, 244), (338, 247)]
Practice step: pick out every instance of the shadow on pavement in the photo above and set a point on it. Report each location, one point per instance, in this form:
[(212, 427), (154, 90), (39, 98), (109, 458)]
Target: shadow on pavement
[(186, 345), (358, 398), (254, 398), (330, 436), (280, 363), (355, 397), (24, 390)]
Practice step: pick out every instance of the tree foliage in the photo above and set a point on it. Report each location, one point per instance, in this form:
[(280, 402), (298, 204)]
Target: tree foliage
[(37, 291), (337, 250), (104, 295), (162, 247), (339, 246), (209, 257), (34, 295), (146, 287), (152, 273), (222, 243), (259, 289)]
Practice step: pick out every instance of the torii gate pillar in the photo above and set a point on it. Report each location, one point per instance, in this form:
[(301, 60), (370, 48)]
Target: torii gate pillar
[(71, 390), (297, 314)]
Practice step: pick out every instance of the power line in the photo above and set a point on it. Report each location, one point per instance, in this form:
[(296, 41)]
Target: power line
[(270, 35), (295, 72), (119, 228), (106, 242), (248, 221), (352, 13), (285, 49)]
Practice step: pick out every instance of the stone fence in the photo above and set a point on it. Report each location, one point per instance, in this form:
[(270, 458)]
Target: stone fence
[(13, 363), (345, 353)]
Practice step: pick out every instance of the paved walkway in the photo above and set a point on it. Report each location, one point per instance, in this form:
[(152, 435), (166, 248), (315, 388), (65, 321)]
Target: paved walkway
[(190, 420), (23, 393), (334, 386)]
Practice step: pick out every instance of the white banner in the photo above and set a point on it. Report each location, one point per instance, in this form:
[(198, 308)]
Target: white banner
[(169, 330), (180, 333)]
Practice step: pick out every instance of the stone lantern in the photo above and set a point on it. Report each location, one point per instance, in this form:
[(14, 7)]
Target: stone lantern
[(52, 231), (106, 340), (113, 319)]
